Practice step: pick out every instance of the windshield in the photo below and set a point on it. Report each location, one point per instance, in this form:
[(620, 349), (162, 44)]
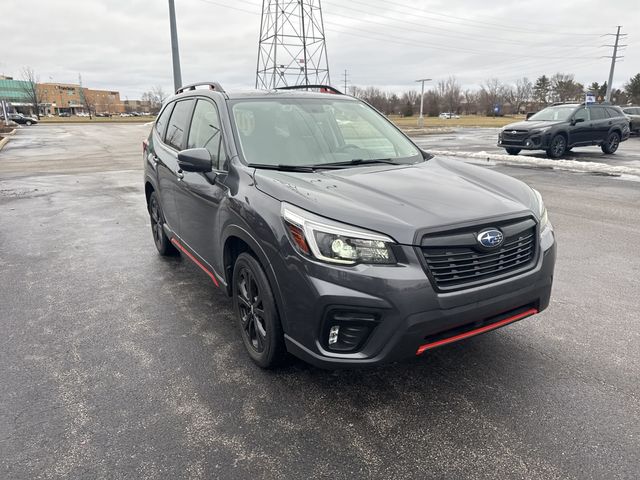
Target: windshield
[(551, 114), (312, 131)]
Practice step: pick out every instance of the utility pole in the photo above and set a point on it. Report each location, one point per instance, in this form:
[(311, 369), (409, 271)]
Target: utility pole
[(175, 54), (614, 58), (345, 81), (421, 117)]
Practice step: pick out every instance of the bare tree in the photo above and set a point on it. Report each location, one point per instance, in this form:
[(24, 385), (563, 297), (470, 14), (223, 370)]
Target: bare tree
[(87, 102), (155, 97), (522, 93), (449, 91), (565, 88), (493, 93), (29, 87)]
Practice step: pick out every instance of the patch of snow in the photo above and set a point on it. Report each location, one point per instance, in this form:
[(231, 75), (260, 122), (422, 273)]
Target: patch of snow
[(570, 165)]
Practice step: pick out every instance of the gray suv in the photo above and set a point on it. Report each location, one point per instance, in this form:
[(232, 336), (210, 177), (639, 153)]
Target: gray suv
[(338, 239)]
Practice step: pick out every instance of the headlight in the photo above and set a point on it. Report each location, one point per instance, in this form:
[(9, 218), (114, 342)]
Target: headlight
[(542, 211), (333, 242)]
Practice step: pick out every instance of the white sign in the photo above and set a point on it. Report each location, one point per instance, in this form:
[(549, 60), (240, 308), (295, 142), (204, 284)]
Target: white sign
[(590, 98)]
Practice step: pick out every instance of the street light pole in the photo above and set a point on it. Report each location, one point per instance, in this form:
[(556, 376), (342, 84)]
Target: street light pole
[(175, 54), (421, 118)]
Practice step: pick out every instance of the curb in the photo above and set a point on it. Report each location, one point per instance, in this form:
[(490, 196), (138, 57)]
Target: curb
[(520, 160)]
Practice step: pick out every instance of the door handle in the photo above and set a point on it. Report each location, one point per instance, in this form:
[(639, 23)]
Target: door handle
[(180, 175)]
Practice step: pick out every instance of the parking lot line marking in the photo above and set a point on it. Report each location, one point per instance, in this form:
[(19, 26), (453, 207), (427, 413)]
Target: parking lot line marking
[(477, 331)]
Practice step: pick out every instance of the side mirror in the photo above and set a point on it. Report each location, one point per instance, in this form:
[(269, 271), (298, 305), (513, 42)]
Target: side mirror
[(529, 115), (577, 120), (195, 160)]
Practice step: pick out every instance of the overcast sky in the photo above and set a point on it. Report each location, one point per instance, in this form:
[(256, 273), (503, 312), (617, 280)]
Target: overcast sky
[(124, 44)]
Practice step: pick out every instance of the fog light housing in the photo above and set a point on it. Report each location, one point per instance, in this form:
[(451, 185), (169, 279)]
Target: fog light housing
[(347, 331)]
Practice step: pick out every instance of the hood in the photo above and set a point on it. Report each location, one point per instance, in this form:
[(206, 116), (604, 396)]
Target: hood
[(400, 200), (531, 125)]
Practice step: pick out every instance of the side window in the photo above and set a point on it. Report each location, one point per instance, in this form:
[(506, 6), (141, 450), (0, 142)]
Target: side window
[(598, 113), (161, 122), (178, 124), (613, 112), (206, 133), (582, 113)]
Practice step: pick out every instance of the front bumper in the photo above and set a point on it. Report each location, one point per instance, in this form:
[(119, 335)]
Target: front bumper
[(525, 141), (410, 316)]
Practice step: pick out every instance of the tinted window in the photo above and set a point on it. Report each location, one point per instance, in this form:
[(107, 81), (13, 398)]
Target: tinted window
[(582, 113), (628, 111), (178, 124), (161, 122), (598, 113), (205, 132), (613, 112)]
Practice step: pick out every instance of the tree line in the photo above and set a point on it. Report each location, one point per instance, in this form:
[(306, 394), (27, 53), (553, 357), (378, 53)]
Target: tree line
[(520, 97)]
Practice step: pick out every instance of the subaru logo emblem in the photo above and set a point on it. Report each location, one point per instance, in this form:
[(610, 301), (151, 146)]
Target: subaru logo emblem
[(490, 238), (514, 131)]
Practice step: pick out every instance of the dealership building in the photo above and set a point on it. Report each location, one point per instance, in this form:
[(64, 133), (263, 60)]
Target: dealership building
[(56, 98)]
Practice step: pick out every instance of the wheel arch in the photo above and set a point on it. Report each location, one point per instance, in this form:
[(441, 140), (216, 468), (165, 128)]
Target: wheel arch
[(237, 240)]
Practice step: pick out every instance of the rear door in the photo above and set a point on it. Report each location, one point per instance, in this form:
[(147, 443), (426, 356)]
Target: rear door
[(600, 121), (169, 175), (202, 195)]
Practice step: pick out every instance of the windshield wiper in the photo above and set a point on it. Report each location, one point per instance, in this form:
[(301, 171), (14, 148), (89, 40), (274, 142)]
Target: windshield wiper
[(284, 168), (358, 161)]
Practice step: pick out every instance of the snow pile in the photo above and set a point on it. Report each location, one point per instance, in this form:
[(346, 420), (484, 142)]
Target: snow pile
[(571, 165)]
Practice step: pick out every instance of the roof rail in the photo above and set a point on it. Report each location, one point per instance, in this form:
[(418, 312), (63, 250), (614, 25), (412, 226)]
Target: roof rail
[(329, 88), (192, 86)]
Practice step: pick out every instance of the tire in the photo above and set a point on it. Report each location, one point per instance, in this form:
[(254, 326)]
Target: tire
[(557, 147), (256, 313), (513, 151), (28, 123), (162, 242), (611, 144)]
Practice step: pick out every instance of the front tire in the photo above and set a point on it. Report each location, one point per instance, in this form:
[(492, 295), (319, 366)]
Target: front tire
[(29, 123), (611, 144), (162, 242), (513, 151), (557, 147), (256, 313)]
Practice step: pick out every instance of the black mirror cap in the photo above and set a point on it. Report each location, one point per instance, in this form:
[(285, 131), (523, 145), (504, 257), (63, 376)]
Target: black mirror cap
[(195, 160), (577, 120), (529, 115)]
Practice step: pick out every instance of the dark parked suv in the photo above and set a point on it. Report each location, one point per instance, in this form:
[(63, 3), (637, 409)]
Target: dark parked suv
[(339, 240), (559, 128), (633, 114)]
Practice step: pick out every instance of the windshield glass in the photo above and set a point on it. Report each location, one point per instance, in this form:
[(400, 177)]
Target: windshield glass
[(551, 114), (312, 131)]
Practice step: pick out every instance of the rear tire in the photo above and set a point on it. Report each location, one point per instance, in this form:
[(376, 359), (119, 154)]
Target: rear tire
[(28, 123), (162, 242), (256, 313), (557, 147), (513, 151), (611, 144)]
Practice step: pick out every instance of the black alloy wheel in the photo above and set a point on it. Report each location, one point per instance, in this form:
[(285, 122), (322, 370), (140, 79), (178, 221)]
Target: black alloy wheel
[(611, 144), (160, 239), (256, 313), (513, 151), (557, 147)]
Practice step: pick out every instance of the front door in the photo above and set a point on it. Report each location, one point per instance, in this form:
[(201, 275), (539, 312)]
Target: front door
[(581, 132), (202, 195), (166, 152)]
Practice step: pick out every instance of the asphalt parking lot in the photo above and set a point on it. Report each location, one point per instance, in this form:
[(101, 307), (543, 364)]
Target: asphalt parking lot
[(117, 363)]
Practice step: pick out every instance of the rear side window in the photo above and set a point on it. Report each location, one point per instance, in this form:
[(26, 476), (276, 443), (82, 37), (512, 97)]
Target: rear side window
[(613, 112), (598, 113), (161, 122), (206, 132), (178, 124)]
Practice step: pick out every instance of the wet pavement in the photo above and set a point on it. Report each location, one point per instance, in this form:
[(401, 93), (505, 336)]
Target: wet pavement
[(118, 363)]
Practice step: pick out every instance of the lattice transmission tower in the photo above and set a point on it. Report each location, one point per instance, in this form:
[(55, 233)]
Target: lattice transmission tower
[(292, 48)]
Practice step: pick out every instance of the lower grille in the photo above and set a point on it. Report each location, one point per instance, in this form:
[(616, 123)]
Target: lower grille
[(514, 137), (465, 263)]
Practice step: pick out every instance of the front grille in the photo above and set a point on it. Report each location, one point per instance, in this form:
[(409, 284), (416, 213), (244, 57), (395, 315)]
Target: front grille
[(455, 260), (514, 137)]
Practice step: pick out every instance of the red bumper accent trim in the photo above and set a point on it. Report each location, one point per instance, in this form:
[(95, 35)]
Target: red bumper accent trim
[(477, 331), (195, 260)]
